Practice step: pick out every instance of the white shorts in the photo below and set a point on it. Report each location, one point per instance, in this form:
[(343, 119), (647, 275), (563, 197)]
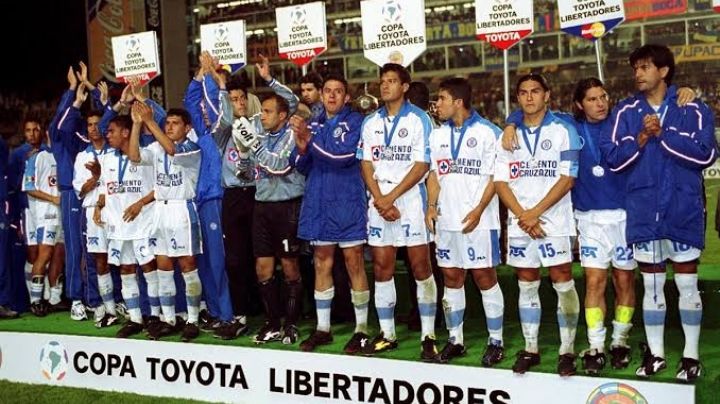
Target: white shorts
[(129, 252), (409, 230), (657, 251), (524, 252), (341, 244), (176, 229), (29, 228), (478, 249), (95, 237), (49, 235), (602, 239)]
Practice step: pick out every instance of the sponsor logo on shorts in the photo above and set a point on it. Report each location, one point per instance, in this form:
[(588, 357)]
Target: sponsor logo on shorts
[(517, 251), (375, 232), (115, 253), (442, 254), (93, 241), (588, 252)]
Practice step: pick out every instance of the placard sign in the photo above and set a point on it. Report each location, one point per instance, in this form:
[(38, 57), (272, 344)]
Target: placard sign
[(590, 19), (225, 41), (503, 23), (302, 32), (393, 30), (136, 55)]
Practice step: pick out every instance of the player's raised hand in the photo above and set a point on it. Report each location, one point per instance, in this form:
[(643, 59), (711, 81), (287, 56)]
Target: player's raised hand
[(141, 112), (80, 96), (685, 95), (263, 67), (94, 168), (137, 88), (83, 76), (104, 92)]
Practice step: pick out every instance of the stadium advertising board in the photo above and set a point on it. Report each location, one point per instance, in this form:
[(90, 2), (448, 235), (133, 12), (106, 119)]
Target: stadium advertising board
[(105, 20), (590, 19), (696, 53), (636, 9), (136, 55), (393, 30), (301, 32), (253, 375), (225, 41), (716, 5), (713, 171), (503, 23)]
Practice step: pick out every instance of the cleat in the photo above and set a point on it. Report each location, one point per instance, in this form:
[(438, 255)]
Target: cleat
[(6, 312), (428, 350), (290, 334), (163, 329), (593, 362), (98, 313), (356, 343), (206, 322), (39, 309), (315, 339), (449, 352), (189, 332), (77, 311), (566, 365), (494, 354), (151, 322), (107, 320), (130, 328), (63, 305), (230, 330), (619, 356), (267, 333), (525, 360), (379, 344), (122, 310), (651, 365), (690, 369)]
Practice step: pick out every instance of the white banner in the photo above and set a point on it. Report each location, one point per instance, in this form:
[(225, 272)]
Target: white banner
[(713, 171), (590, 19), (393, 30), (503, 23), (136, 55), (302, 32), (225, 41), (254, 375)]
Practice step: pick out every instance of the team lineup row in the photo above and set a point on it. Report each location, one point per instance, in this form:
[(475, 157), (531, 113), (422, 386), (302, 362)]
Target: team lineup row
[(166, 190)]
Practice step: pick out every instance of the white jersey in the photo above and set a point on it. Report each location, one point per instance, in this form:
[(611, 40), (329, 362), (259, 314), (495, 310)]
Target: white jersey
[(41, 175), (543, 155), (175, 176), (81, 174), (395, 144), (464, 177), (124, 183)]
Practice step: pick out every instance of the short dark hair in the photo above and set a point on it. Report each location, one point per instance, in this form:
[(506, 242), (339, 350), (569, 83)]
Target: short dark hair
[(419, 94), (31, 118), (534, 77), (315, 79), (94, 112), (123, 121), (237, 83), (580, 90), (182, 113), (402, 72), (459, 89), (660, 55), (335, 77), (282, 104)]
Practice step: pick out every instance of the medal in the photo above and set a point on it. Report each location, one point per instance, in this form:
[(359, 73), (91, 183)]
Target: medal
[(598, 171)]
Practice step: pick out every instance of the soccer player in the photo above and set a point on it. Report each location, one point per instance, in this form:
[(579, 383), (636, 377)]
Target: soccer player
[(311, 88), (463, 213), (325, 154), (395, 154), (5, 261), (125, 209), (209, 191), (277, 207), (176, 162), (534, 183), (662, 149)]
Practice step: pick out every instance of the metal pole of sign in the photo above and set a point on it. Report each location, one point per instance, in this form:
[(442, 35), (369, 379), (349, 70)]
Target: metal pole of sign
[(598, 51), (304, 69), (506, 79)]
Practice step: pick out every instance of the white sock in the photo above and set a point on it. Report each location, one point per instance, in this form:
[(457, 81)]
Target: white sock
[(691, 307), (360, 300), (323, 303), (193, 294), (36, 289), (131, 294), (568, 312), (385, 300), (427, 305), (494, 306), (153, 291), (55, 293), (105, 286), (166, 283), (654, 308), (454, 309), (46, 290), (28, 277), (620, 333), (530, 310)]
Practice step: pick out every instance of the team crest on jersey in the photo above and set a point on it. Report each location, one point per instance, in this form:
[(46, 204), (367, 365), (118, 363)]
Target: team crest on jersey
[(52, 180), (514, 170), (376, 152), (546, 144), (444, 166), (233, 155), (337, 132), (472, 142), (133, 168), (403, 132)]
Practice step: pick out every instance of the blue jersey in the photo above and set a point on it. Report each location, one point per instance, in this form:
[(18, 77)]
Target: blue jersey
[(664, 188), (3, 171)]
